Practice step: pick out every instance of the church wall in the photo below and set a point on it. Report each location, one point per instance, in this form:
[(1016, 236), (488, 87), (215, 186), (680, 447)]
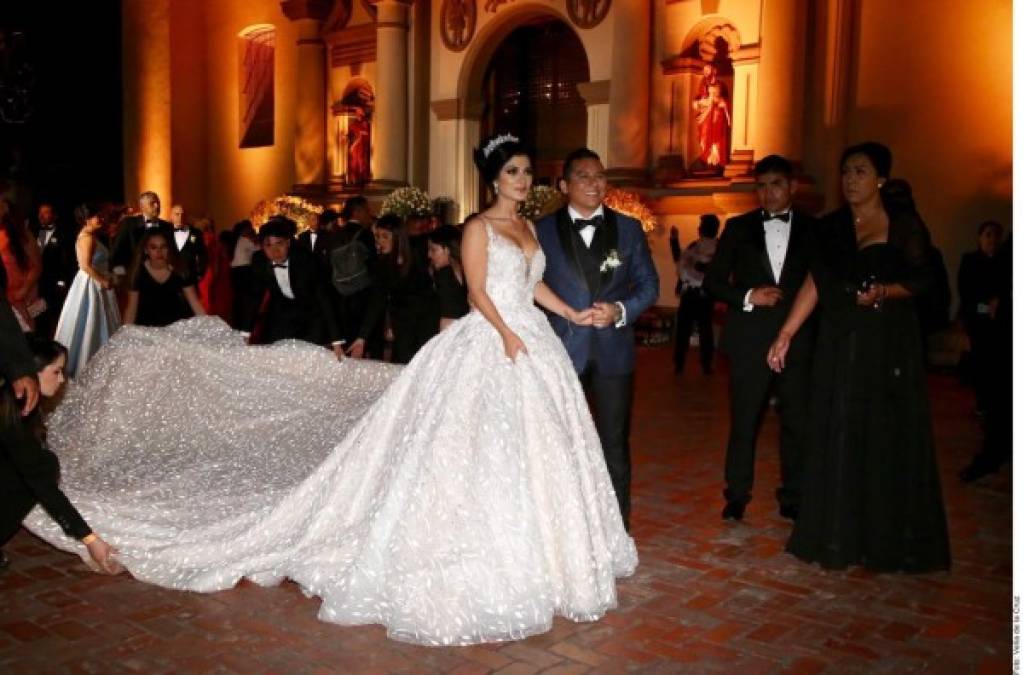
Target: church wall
[(240, 177), (188, 86), (936, 86)]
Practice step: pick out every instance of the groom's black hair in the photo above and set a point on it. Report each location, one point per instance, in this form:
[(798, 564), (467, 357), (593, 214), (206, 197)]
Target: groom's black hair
[(774, 164), (573, 157)]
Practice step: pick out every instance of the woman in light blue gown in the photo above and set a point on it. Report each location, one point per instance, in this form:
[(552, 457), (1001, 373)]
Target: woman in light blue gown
[(90, 315)]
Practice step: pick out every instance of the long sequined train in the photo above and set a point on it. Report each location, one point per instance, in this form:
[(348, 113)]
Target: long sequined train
[(462, 499)]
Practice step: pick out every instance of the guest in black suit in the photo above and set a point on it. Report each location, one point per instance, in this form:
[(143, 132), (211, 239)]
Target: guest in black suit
[(56, 240), (695, 306), (352, 254), (316, 238), (978, 293), (126, 243), (761, 261), (190, 244), (298, 306), (29, 471), (402, 292)]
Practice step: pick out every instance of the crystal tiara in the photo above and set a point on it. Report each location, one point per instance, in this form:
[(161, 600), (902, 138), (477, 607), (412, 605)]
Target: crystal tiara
[(492, 145)]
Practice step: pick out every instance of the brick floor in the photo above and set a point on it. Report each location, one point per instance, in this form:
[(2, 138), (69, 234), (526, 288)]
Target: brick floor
[(709, 596)]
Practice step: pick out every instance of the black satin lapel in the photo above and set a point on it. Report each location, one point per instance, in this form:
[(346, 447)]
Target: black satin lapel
[(608, 242), (760, 242), (794, 249), (565, 235)]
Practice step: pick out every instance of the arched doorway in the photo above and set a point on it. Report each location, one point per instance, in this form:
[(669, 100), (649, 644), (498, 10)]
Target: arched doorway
[(529, 89)]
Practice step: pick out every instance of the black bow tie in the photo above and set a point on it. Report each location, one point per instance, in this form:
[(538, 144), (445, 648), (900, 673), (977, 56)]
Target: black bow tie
[(181, 229), (283, 266), (784, 217), (43, 228), (582, 223)]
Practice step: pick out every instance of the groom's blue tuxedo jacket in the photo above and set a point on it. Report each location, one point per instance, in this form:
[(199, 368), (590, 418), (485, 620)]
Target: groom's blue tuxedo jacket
[(573, 274)]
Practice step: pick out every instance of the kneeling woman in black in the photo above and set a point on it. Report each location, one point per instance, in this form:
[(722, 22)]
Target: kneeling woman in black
[(29, 471), (160, 294)]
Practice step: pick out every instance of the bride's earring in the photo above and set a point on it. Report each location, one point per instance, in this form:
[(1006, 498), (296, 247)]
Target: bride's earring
[(495, 187)]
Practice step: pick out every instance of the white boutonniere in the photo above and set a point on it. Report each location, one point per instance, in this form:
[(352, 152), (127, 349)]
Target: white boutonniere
[(192, 239), (53, 239), (611, 261)]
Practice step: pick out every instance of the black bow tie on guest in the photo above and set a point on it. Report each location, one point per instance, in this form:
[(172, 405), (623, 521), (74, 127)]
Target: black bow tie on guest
[(784, 217), (181, 229), (283, 266), (582, 223)]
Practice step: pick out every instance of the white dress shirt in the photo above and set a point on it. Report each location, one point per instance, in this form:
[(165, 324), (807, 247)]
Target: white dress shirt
[(776, 238), (181, 237), (312, 239), (588, 232), (283, 280), (45, 235)]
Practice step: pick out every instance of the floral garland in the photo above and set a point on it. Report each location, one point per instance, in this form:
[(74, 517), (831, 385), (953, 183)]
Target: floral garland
[(407, 201), (631, 204), (304, 213), (541, 200)]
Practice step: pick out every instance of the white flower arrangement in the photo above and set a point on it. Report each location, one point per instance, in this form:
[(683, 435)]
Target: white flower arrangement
[(496, 141), (611, 262), (407, 201), (304, 213)]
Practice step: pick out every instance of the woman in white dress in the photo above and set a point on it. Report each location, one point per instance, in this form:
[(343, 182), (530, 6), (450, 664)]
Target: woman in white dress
[(90, 314), (466, 501)]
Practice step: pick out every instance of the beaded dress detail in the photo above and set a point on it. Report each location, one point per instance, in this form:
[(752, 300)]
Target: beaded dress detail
[(461, 499)]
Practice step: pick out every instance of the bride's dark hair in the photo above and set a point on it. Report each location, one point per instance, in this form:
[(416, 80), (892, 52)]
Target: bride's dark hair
[(494, 152)]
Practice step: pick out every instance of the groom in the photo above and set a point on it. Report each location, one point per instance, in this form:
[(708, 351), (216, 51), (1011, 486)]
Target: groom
[(598, 258)]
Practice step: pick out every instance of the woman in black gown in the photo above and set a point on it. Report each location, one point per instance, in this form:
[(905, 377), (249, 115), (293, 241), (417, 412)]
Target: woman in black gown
[(160, 294), (444, 251), (872, 494)]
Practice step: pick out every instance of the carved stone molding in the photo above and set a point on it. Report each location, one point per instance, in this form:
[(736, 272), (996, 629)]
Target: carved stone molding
[(457, 23), (588, 13)]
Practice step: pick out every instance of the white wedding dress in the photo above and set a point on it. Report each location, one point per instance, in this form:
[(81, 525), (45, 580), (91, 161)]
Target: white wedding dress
[(460, 499)]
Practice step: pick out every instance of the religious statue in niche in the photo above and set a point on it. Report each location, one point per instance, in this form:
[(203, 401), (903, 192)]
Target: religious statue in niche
[(713, 122), (353, 135), (457, 23), (358, 148), (588, 13)]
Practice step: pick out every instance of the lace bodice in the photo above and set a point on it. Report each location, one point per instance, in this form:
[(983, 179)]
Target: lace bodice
[(511, 275)]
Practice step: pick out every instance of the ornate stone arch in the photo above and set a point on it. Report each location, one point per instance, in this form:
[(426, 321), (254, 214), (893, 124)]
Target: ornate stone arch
[(705, 39), (485, 44)]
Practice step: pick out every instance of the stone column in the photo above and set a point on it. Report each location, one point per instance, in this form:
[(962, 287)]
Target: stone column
[(390, 116), (145, 27), (596, 95), (629, 96), (311, 98), (779, 114)]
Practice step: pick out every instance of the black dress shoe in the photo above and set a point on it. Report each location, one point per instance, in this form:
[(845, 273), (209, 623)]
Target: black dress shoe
[(733, 510), (790, 511)]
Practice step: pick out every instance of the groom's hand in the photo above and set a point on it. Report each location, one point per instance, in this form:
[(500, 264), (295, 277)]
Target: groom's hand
[(604, 314), (583, 318)]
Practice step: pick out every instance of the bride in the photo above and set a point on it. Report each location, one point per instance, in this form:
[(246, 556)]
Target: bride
[(461, 499)]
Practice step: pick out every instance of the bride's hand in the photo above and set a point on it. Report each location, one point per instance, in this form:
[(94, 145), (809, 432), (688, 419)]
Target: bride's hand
[(583, 318), (776, 354), (513, 345), (102, 554)]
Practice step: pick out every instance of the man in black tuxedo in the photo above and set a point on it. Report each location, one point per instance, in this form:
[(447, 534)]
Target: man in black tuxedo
[(132, 228), (316, 238), (57, 243), (298, 306), (762, 260), (190, 244)]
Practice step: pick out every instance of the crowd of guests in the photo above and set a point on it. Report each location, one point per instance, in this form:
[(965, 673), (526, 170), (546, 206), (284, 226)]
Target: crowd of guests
[(825, 314), (366, 287)]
